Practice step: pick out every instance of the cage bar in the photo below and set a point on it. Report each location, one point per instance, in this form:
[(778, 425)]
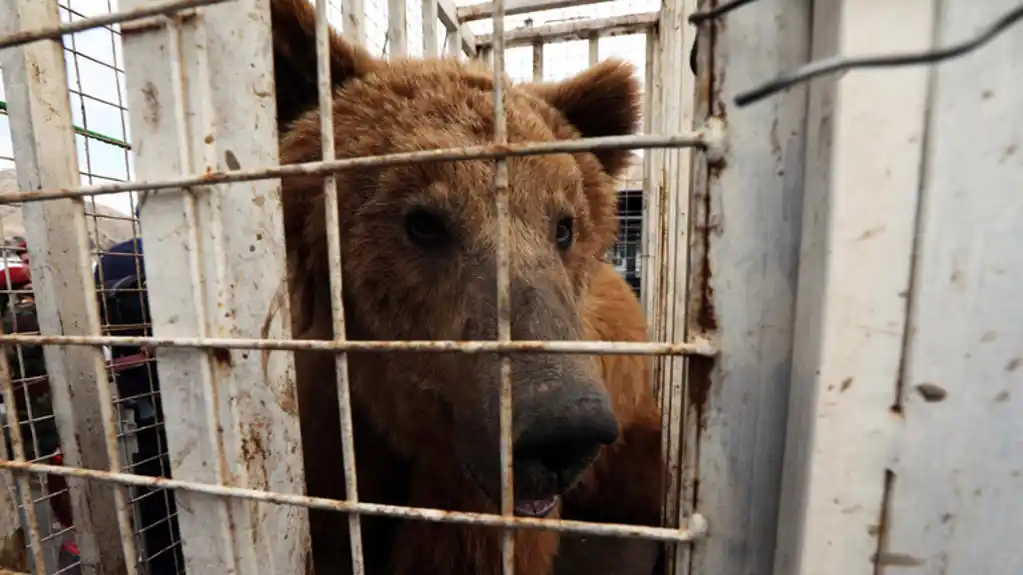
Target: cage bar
[(676, 102), (538, 61), (231, 416), (744, 244), (503, 290), (36, 84), (397, 32), (353, 26), (430, 17), (697, 139), (325, 95), (574, 30), (485, 10), (697, 346)]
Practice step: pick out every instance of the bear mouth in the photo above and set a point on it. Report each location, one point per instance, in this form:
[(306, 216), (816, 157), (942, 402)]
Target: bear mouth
[(536, 507)]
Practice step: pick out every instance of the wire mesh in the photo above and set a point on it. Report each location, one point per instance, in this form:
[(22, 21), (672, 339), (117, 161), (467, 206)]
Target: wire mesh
[(96, 86), (93, 59)]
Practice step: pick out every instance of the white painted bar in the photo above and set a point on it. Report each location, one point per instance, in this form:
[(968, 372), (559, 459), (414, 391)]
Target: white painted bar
[(746, 212), (575, 30), (215, 267), (397, 34), (485, 10), (35, 81), (353, 23), (429, 28), (862, 187)]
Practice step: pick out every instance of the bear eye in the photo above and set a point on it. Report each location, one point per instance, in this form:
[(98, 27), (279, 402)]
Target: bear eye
[(563, 235), (425, 229)]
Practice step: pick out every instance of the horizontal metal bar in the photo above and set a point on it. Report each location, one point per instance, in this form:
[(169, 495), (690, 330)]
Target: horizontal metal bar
[(155, 8), (575, 30), (699, 347), (698, 139), (512, 7), (695, 528)]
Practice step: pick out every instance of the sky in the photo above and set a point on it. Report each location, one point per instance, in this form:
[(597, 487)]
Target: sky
[(97, 92)]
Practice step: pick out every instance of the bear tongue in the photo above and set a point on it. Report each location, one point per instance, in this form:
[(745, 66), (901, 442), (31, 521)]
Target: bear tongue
[(535, 508)]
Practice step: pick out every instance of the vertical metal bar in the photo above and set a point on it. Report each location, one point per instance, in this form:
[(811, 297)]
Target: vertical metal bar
[(429, 28), (594, 48), (35, 79), (452, 43), (677, 102), (397, 35), (353, 25), (208, 252), (538, 61), (333, 224), (743, 274), (651, 187), (503, 288)]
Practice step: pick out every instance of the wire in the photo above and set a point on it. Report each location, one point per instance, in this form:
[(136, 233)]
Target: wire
[(698, 18), (841, 64)]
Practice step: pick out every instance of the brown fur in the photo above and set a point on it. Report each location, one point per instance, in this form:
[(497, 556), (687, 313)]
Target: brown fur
[(411, 410)]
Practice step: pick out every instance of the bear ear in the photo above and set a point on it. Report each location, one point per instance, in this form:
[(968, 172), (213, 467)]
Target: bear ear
[(601, 101), (293, 23)]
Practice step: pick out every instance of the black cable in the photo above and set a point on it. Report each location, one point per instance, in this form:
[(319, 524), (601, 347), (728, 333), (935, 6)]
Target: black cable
[(700, 17), (842, 64)]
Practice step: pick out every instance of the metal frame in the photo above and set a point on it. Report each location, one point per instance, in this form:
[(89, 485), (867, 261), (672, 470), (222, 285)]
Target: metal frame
[(744, 246), (909, 347)]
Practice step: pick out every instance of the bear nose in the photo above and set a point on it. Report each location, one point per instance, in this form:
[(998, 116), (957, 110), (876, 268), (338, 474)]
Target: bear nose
[(565, 438)]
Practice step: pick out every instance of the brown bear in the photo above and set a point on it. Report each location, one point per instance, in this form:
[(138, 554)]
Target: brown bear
[(418, 251)]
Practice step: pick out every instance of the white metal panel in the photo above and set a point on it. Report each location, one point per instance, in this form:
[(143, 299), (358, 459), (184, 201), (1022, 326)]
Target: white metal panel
[(862, 182), (215, 268), (35, 81), (955, 502), (743, 262)]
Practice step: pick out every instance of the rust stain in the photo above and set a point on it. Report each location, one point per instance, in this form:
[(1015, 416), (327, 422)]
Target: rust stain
[(231, 160), (931, 393), (897, 560), (222, 356), (1013, 364), (846, 384), (870, 233), (151, 113)]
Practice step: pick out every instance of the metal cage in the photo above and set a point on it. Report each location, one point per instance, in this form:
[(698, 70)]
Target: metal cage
[(810, 388)]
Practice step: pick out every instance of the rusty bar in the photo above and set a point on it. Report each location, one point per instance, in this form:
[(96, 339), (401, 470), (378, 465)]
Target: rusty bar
[(503, 288), (695, 528), (344, 393), (696, 346), (575, 30), (698, 139), (56, 32)]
